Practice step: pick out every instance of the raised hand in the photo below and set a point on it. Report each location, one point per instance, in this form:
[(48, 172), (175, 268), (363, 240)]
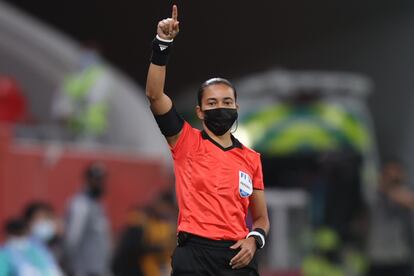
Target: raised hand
[(169, 27)]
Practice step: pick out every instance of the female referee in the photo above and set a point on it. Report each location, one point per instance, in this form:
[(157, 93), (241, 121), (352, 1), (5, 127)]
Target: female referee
[(217, 178)]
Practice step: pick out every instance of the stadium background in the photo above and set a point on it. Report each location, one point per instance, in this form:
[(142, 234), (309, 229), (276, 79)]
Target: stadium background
[(232, 39)]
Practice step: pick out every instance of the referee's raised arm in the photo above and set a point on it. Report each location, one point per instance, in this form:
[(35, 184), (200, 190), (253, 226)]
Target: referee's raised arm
[(161, 104)]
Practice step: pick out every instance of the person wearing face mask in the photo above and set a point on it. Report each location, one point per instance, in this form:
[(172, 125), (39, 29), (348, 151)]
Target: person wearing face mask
[(21, 256), (217, 178), (43, 229), (87, 234), (41, 221)]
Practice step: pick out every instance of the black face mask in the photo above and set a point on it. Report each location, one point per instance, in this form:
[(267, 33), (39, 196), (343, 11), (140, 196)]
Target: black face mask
[(96, 192), (220, 120)]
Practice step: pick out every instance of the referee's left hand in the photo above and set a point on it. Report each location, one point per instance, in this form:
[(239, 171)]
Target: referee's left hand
[(246, 253)]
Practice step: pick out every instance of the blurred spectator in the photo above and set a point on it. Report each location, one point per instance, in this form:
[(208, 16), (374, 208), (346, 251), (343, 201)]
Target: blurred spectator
[(146, 245), (81, 103), (12, 101), (160, 234), (324, 259), (87, 237), (44, 227), (20, 256), (131, 246), (390, 244), (330, 257)]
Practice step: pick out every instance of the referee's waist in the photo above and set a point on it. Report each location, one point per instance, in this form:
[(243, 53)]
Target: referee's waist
[(188, 238)]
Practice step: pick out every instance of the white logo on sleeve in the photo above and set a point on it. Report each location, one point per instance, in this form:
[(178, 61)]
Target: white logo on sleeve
[(245, 184)]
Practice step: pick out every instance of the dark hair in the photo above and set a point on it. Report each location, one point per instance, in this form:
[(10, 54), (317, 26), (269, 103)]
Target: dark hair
[(214, 81), (15, 227), (34, 207)]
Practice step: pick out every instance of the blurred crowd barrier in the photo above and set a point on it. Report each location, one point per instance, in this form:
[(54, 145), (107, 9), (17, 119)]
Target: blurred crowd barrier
[(53, 172)]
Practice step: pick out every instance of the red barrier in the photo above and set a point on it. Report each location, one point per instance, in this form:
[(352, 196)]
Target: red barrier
[(39, 172)]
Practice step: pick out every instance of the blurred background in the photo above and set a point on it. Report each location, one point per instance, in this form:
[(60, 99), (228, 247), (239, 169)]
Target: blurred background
[(325, 96)]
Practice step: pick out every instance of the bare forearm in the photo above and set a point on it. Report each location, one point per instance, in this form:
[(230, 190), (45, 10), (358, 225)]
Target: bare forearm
[(155, 82), (258, 210), (263, 223)]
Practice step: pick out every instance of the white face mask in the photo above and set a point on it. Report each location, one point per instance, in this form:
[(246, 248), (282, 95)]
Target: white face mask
[(44, 230)]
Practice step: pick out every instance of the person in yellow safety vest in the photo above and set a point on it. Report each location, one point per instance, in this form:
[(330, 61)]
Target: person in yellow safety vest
[(82, 102), (325, 242), (329, 258)]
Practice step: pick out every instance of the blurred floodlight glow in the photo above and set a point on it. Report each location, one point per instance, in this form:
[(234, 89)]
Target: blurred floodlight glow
[(243, 136)]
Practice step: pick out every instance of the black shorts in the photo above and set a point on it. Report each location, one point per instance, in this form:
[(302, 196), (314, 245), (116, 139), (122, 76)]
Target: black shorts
[(200, 256)]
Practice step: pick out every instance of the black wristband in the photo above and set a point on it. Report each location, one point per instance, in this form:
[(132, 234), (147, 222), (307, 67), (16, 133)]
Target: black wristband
[(260, 236), (261, 231), (160, 51)]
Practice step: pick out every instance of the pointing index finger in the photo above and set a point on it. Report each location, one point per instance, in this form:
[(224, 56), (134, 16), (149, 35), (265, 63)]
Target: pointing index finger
[(174, 13)]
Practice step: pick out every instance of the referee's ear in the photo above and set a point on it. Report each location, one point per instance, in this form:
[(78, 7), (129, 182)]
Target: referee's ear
[(199, 112)]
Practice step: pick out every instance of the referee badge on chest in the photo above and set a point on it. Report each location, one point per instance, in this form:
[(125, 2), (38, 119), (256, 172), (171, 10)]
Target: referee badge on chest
[(245, 184)]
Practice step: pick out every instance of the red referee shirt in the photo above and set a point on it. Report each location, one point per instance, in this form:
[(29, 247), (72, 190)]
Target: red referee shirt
[(213, 185)]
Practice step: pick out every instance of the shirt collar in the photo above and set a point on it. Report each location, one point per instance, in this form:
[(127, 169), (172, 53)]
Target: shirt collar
[(236, 143)]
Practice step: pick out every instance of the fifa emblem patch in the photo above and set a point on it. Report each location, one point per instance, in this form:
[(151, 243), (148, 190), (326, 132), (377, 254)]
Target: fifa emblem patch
[(245, 184)]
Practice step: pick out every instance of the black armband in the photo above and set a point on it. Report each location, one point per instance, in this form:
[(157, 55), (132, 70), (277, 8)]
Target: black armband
[(161, 49), (259, 235), (170, 123)]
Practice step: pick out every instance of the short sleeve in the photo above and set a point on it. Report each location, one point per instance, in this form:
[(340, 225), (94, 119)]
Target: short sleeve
[(258, 183), (186, 142)]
